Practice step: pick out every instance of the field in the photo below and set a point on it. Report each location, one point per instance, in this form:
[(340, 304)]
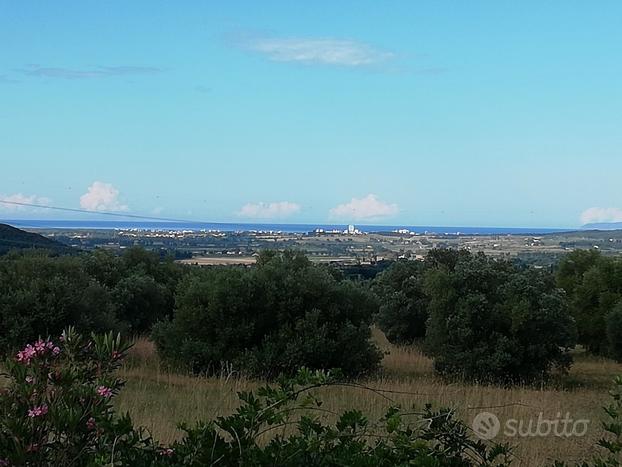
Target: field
[(159, 399)]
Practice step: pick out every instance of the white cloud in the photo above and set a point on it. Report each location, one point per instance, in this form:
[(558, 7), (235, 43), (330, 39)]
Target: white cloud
[(261, 210), (20, 198), (325, 51), (593, 215), (102, 197), (369, 207)]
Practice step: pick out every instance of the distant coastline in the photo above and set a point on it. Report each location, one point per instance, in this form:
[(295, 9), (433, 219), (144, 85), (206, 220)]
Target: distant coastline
[(267, 227)]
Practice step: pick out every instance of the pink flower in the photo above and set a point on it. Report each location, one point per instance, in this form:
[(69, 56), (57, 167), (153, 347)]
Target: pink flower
[(56, 350), (166, 452), (27, 354), (104, 391), (90, 424), (4, 463), (38, 411), (40, 346)]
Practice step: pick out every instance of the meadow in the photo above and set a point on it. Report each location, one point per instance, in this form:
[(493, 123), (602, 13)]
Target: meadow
[(159, 398)]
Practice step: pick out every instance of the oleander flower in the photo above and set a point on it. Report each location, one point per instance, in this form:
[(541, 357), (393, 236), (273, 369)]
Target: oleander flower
[(104, 391), (38, 411)]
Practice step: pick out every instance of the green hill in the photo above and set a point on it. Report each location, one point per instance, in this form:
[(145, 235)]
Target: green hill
[(13, 238)]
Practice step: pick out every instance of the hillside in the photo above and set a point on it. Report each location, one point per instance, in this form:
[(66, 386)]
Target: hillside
[(13, 238)]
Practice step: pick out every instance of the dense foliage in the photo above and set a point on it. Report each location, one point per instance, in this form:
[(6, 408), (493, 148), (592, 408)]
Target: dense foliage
[(41, 294), (403, 302), (57, 410), (270, 320), (594, 286), (492, 321), (480, 318), (404, 308)]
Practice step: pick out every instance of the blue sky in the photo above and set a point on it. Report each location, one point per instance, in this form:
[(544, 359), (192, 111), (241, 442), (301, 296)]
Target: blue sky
[(479, 113)]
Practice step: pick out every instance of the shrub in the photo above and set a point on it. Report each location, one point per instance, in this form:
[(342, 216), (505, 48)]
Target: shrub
[(404, 303), (490, 321), (40, 295), (614, 332), (58, 408), (404, 312), (270, 320), (141, 301), (594, 286)]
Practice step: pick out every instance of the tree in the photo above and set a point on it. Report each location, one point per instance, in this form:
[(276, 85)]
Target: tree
[(39, 295), (404, 302), (614, 332), (490, 321), (594, 286), (272, 319), (141, 301)]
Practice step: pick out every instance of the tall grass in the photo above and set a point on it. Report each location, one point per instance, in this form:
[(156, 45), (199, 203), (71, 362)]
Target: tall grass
[(159, 398)]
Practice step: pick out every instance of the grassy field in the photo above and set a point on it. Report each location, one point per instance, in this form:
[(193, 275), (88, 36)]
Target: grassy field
[(159, 399)]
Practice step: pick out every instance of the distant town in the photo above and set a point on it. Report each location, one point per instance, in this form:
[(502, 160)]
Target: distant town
[(351, 245)]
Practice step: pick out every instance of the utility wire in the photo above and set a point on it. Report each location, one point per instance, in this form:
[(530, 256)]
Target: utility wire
[(104, 213)]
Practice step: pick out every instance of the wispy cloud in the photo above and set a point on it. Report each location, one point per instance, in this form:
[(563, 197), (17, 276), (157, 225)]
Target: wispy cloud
[(4, 79), (18, 202), (318, 51), (87, 73), (367, 208), (276, 210), (102, 197), (596, 214)]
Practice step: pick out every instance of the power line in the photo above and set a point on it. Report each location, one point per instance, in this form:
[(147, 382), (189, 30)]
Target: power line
[(85, 211)]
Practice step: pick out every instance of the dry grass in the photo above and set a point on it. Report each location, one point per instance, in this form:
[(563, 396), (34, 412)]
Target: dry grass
[(159, 399)]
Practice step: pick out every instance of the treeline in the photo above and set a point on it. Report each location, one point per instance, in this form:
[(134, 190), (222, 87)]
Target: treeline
[(490, 319), (479, 318), (593, 283), (41, 293)]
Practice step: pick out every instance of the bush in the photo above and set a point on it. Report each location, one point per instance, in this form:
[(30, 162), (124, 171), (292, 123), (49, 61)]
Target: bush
[(404, 304), (614, 332), (490, 321), (270, 320), (41, 294), (141, 301), (404, 313), (58, 407), (594, 286)]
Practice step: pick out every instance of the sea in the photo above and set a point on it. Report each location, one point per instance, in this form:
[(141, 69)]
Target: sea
[(266, 227)]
